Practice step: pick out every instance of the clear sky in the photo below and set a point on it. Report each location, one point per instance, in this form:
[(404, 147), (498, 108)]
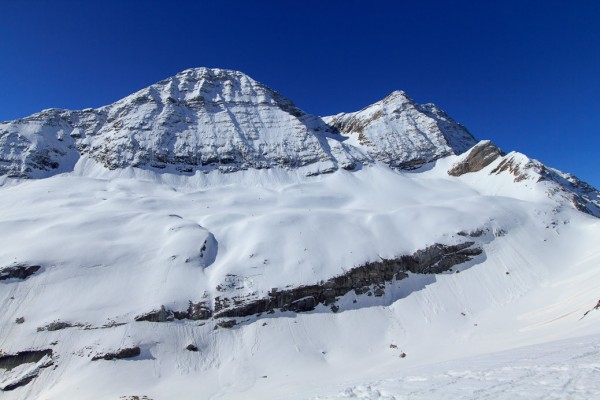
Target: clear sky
[(525, 74)]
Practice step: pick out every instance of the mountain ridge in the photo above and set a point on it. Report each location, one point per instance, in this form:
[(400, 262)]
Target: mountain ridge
[(216, 119), (207, 119)]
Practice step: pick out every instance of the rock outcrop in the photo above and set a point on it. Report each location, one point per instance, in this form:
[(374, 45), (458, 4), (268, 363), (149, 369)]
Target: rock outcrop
[(59, 325), (14, 371), (369, 278), (480, 156), (128, 352), (195, 312), (363, 279), (18, 271)]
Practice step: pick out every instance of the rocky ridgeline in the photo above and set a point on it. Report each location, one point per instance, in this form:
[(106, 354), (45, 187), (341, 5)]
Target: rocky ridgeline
[(561, 186), (480, 156), (203, 120), (206, 119), (368, 279)]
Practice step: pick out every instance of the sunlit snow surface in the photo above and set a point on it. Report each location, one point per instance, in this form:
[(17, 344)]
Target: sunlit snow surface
[(568, 369), (114, 245)]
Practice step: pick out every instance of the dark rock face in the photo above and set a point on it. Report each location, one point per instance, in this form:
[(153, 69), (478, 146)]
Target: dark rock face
[(18, 271), (10, 361), (369, 279), (161, 315), (434, 259), (191, 347), (478, 158), (227, 324), (475, 233), (195, 312), (128, 352)]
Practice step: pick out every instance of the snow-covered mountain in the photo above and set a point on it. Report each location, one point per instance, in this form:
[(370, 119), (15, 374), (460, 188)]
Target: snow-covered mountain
[(205, 238), (204, 119)]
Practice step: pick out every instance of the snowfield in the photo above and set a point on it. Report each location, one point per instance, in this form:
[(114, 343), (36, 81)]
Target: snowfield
[(119, 244)]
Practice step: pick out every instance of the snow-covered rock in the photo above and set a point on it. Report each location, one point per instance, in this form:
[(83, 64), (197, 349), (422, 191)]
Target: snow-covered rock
[(213, 118)]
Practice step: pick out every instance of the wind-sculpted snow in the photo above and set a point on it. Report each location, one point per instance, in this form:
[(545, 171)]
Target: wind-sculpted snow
[(566, 369)]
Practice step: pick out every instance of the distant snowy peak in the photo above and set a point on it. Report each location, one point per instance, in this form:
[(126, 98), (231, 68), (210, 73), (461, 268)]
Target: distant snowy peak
[(401, 133)]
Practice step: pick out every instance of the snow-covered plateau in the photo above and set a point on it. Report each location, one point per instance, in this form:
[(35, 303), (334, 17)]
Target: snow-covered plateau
[(204, 238)]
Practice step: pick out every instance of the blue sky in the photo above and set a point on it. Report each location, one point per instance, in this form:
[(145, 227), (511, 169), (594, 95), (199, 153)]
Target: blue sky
[(525, 74)]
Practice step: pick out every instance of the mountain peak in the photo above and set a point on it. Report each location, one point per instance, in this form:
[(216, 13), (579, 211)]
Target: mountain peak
[(210, 85), (214, 74), (403, 134), (397, 96), (203, 119)]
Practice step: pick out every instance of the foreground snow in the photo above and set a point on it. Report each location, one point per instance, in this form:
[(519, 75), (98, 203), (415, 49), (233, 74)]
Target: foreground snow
[(566, 369)]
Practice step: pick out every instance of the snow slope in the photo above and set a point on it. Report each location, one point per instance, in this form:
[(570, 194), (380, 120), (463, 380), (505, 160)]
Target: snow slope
[(112, 249), (113, 272)]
